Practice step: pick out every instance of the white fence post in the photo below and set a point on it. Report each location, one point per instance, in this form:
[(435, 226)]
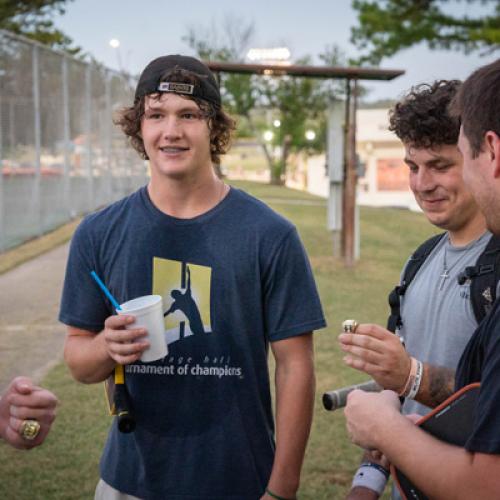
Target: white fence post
[(37, 130)]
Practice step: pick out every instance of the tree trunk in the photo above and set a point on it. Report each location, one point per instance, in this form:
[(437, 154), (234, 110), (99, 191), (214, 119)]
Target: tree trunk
[(278, 176), (262, 144)]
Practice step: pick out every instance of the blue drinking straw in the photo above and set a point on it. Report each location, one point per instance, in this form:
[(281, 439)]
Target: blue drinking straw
[(105, 290)]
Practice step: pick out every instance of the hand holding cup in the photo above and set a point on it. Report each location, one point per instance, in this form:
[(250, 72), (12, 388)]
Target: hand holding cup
[(148, 314), (124, 342)]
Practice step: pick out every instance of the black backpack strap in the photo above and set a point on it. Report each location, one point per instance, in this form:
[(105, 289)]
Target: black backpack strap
[(484, 276), (418, 257)]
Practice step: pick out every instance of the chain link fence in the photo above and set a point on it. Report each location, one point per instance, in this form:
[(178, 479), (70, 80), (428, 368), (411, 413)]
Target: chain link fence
[(60, 154)]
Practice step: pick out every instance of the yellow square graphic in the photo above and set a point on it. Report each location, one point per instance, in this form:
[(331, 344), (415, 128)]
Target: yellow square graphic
[(179, 284)]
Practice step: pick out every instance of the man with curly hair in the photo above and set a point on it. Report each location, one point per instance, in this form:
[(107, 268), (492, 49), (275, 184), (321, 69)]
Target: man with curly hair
[(442, 470), (205, 426), (437, 318)]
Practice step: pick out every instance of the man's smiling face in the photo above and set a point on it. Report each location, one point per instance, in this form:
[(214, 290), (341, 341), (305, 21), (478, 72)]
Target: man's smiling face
[(176, 136), (436, 181)]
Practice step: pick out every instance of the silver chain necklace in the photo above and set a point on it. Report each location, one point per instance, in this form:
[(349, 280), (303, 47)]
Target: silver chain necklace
[(446, 270)]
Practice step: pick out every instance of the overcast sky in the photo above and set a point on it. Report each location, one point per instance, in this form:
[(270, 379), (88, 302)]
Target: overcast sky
[(148, 28)]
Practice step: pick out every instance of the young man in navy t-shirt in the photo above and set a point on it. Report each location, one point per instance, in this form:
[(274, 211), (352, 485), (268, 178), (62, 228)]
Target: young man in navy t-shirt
[(234, 279)]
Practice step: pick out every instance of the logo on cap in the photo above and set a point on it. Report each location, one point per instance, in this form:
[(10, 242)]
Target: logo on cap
[(179, 88)]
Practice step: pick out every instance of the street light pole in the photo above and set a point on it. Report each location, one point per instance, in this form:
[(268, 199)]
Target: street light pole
[(115, 44), (351, 178)]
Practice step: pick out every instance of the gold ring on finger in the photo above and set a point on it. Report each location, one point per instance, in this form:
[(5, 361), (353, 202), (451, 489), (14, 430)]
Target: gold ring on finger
[(349, 326), (29, 429)]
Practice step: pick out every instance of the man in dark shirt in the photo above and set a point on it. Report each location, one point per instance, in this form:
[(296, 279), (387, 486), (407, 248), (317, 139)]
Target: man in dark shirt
[(233, 276), (438, 469)]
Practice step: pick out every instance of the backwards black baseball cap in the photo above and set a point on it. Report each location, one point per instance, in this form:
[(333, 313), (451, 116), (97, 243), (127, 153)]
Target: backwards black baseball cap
[(152, 79)]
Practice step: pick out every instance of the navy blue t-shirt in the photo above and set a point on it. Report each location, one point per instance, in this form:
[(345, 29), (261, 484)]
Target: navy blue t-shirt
[(232, 280), (480, 362)]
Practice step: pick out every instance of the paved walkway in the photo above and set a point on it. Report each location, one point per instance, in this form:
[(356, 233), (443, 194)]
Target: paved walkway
[(31, 339)]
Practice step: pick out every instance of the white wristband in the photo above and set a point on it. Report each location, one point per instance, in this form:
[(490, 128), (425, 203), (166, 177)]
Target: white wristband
[(413, 391), (368, 476)]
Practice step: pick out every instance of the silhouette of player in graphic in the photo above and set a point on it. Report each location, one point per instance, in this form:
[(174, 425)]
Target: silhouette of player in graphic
[(184, 302)]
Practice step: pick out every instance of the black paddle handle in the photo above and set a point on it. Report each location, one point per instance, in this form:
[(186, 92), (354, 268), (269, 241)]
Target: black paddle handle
[(334, 400)]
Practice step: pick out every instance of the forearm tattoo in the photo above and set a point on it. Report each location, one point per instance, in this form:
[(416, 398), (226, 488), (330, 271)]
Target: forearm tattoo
[(437, 385)]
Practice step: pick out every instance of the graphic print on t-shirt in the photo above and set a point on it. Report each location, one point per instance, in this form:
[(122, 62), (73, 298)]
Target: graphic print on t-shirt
[(185, 289)]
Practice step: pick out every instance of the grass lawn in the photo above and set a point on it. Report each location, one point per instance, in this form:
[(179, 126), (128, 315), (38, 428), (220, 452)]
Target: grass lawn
[(31, 249), (66, 467), (244, 157)]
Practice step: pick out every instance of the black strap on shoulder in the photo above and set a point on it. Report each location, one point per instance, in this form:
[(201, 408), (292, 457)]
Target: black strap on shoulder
[(483, 277), (418, 257)]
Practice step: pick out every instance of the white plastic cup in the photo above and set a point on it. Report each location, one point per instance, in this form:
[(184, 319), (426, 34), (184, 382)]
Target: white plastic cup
[(148, 313)]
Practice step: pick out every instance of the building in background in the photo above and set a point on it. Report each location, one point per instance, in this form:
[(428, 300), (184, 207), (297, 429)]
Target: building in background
[(383, 175), (383, 179)]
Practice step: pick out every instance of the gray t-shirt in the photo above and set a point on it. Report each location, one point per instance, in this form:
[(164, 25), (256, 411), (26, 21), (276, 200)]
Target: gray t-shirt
[(438, 319)]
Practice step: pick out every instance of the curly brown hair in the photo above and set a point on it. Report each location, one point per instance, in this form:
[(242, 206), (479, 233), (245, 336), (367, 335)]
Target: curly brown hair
[(220, 124), (422, 120)]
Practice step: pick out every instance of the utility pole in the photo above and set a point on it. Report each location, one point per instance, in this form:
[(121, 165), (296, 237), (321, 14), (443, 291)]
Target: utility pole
[(350, 177)]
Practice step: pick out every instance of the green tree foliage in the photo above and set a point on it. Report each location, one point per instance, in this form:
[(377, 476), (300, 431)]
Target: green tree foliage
[(298, 103), (239, 92), (388, 26), (32, 18), (301, 103)]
